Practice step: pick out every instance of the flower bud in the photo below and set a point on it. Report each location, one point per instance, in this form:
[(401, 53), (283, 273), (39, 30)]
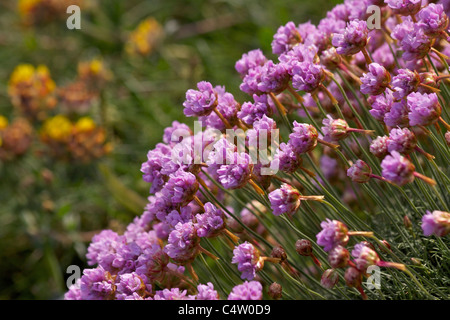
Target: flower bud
[(387, 245), (359, 172), (338, 257), (379, 147), (330, 58), (335, 129), (429, 79), (279, 252), (303, 247), (447, 138), (275, 291), (407, 222), (353, 277), (329, 279), (364, 256)]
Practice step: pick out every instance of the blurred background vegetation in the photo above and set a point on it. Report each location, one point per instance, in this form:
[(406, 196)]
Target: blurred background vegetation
[(50, 209)]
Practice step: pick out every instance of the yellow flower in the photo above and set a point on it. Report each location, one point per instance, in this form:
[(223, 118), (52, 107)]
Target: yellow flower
[(44, 80), (57, 128), (3, 122), (26, 6), (84, 124), (23, 73), (145, 37), (26, 75)]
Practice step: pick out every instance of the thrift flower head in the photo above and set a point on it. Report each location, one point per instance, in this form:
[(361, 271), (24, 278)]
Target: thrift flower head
[(285, 159), (247, 291), (270, 77), (262, 129), (284, 200), (274, 78), (200, 102), (351, 40), (175, 133), (437, 223), (397, 116), (248, 260), (249, 61), (236, 175), (300, 53), (333, 233), (181, 188), (376, 80), (97, 284), (353, 277), (433, 19), (404, 7), (402, 29), (227, 106), (424, 109), (206, 292), (397, 169), (405, 82), (364, 256), (401, 140), (152, 263), (307, 76), (415, 45), (173, 294), (182, 243), (151, 169), (303, 138), (286, 38), (128, 284), (250, 112), (211, 222), (381, 104)]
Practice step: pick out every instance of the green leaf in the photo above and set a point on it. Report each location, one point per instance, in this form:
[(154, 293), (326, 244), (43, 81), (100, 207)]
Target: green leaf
[(125, 196)]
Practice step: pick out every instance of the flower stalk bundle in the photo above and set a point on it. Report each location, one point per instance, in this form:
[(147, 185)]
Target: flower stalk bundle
[(223, 222)]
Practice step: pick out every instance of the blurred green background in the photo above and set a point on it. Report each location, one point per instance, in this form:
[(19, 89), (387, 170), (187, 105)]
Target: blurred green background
[(45, 226)]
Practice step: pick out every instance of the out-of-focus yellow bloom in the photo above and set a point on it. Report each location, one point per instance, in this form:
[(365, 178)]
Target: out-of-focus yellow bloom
[(27, 6), (26, 75), (82, 141), (90, 67), (145, 37), (58, 128), (23, 73), (84, 124), (94, 73), (3, 122), (31, 90), (43, 79)]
